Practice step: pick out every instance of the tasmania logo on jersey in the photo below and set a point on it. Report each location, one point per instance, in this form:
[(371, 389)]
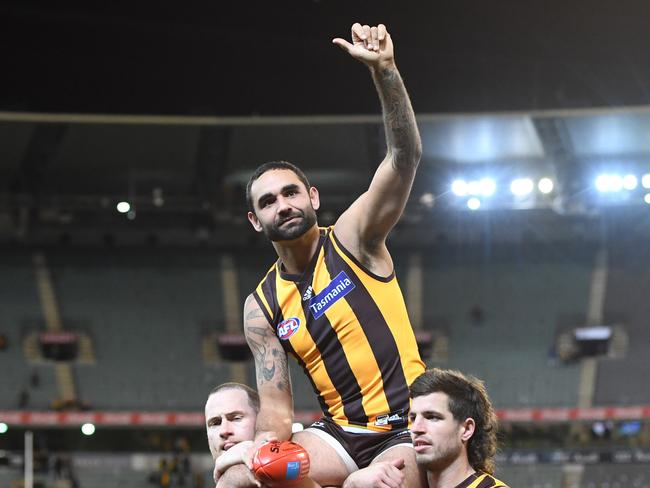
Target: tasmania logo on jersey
[(288, 327), (340, 286)]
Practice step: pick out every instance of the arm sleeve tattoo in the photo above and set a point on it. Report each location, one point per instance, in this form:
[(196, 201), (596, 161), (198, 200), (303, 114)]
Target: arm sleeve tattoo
[(402, 136), (270, 359)]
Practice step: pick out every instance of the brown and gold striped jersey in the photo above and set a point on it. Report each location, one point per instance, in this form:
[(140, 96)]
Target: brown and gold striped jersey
[(482, 480), (349, 331)]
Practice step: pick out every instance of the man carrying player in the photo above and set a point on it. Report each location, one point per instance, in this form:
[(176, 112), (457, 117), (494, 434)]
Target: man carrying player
[(230, 415)]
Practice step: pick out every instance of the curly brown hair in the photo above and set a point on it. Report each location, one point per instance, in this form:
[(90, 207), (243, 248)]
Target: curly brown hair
[(468, 398)]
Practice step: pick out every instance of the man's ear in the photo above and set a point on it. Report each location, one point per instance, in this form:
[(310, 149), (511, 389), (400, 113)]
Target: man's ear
[(314, 197), (468, 429), (252, 218)]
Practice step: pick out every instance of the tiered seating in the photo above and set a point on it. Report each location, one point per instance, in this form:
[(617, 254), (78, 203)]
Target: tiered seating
[(518, 295), (146, 313), (627, 303), (616, 476), (8, 475), (540, 476), (20, 312), (133, 470)]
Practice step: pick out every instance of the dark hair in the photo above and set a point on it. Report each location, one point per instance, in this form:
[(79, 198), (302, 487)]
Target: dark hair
[(271, 165), (253, 396), (467, 398)]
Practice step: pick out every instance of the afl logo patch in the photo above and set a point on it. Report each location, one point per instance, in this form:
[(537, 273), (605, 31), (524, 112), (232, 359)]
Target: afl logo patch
[(288, 327)]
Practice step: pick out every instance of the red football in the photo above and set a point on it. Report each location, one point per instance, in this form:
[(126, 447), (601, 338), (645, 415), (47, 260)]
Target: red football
[(278, 464)]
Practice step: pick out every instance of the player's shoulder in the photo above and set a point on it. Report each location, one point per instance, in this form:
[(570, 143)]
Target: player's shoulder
[(487, 481), (495, 483)]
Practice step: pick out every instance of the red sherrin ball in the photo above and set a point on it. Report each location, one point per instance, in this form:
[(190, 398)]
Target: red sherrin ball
[(278, 464)]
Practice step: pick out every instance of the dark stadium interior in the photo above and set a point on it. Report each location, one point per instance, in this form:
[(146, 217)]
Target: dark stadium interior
[(259, 58), (170, 107)]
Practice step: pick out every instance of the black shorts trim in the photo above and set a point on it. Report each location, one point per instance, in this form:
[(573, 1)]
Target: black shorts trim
[(361, 448)]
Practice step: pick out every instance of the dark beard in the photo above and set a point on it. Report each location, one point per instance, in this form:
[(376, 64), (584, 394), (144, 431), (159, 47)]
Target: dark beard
[(275, 233)]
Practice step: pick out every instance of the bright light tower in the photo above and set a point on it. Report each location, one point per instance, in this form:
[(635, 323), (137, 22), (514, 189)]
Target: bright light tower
[(88, 429), (615, 183), (609, 183), (602, 183), (521, 187), (123, 207), (488, 186), (630, 182), (645, 180), (459, 188), (474, 187), (473, 203), (545, 185)]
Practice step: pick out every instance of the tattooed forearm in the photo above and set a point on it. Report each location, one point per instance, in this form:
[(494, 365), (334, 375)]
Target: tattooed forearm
[(284, 383), (402, 136), (257, 347), (268, 373), (270, 362), (259, 351)]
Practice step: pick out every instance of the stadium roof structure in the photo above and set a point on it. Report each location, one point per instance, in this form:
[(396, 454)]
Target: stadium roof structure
[(156, 102), (66, 173)]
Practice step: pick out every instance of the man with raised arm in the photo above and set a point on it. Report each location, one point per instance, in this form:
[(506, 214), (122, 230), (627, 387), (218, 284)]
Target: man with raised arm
[(332, 300)]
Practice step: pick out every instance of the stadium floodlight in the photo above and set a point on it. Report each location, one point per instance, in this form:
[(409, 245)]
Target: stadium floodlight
[(545, 185), (615, 183), (459, 188), (297, 427), (474, 187), (488, 187), (609, 183), (630, 182), (123, 207), (646, 198), (3, 428), (521, 186), (601, 183), (88, 429), (645, 180), (473, 203)]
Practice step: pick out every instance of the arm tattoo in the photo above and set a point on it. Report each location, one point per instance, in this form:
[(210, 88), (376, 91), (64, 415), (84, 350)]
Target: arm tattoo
[(283, 378), (256, 313), (268, 361), (402, 136)]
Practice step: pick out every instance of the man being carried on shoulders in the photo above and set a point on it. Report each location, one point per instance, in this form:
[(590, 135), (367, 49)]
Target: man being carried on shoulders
[(332, 300)]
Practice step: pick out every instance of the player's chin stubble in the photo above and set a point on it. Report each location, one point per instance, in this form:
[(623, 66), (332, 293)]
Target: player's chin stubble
[(276, 233)]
